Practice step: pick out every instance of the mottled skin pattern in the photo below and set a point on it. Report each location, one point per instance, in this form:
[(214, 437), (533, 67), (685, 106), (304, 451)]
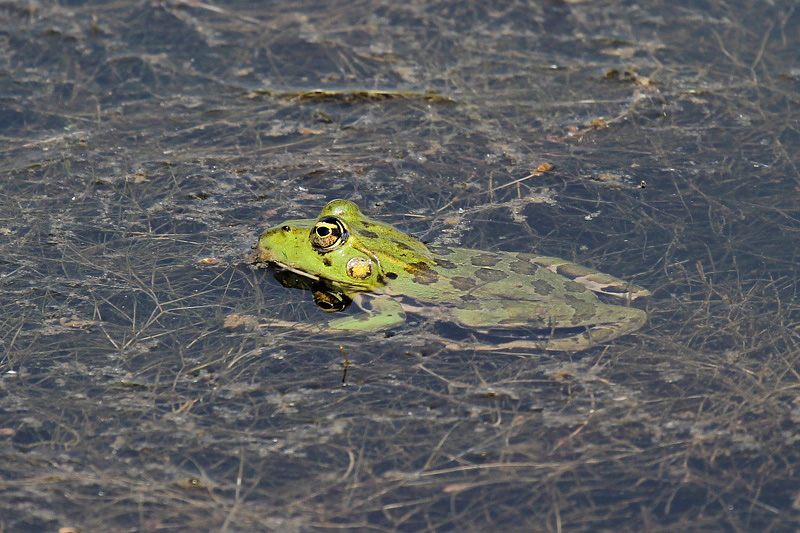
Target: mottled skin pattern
[(553, 300)]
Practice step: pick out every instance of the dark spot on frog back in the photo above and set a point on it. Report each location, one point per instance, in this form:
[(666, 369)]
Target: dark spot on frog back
[(485, 260), (422, 273), (523, 265), (572, 271), (445, 264), (541, 287), (369, 234), (403, 245), (490, 274), (413, 268), (442, 251), (574, 287), (461, 283)]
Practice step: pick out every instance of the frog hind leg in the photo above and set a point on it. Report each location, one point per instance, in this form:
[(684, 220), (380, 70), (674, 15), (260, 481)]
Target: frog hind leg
[(594, 280), (612, 327)]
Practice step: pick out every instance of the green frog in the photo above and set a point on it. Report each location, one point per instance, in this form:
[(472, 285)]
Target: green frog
[(344, 256)]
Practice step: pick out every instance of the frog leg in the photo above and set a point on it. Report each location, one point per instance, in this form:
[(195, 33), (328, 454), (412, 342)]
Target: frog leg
[(592, 279), (614, 324), (627, 322), (381, 314), (483, 347)]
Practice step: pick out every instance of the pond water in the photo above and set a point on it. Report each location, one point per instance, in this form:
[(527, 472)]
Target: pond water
[(147, 144)]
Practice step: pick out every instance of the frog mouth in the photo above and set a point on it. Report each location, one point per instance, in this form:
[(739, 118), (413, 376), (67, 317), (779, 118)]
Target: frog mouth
[(265, 255), (285, 266)]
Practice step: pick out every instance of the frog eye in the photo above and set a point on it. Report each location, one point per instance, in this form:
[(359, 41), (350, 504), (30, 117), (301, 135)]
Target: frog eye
[(328, 234)]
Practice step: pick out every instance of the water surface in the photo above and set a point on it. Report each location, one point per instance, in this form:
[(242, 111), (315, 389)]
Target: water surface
[(146, 144)]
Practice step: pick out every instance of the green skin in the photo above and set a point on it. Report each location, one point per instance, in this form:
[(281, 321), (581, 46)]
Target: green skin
[(475, 289)]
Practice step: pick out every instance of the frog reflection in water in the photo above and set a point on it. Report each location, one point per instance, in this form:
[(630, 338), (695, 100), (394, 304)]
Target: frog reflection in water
[(344, 255)]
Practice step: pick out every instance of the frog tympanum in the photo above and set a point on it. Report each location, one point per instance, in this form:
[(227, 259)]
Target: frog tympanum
[(543, 302)]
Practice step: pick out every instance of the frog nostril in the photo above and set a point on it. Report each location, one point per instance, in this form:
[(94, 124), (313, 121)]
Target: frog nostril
[(286, 228)]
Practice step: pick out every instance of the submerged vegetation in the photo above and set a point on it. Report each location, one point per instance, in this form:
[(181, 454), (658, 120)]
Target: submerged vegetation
[(147, 144)]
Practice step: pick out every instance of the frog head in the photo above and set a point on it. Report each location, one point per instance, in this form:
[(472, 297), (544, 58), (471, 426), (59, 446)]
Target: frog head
[(343, 247)]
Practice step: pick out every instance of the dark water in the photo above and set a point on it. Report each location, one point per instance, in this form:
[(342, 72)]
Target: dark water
[(139, 138)]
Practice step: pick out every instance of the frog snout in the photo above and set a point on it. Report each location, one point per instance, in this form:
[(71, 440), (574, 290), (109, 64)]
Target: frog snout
[(264, 254)]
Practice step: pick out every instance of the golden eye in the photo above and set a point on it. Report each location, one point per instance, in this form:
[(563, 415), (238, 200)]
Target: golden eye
[(328, 234), (359, 268)]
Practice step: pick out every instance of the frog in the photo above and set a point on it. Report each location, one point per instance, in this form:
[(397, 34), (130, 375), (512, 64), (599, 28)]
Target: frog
[(542, 303)]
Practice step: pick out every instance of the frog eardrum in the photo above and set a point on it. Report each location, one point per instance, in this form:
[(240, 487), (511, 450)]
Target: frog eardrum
[(359, 268)]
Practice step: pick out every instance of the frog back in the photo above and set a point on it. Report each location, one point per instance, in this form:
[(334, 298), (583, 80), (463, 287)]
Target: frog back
[(462, 275)]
